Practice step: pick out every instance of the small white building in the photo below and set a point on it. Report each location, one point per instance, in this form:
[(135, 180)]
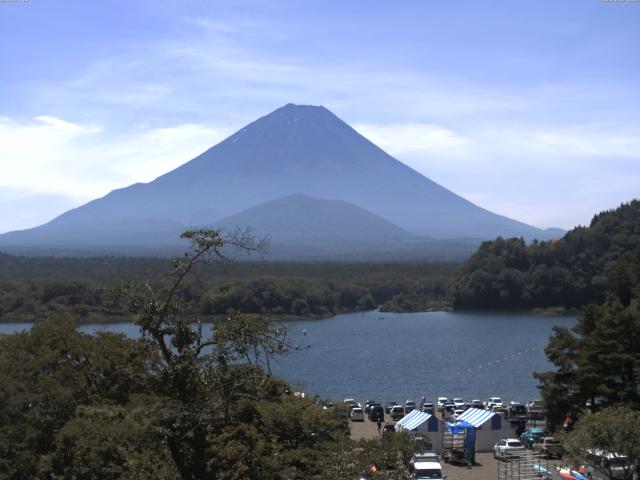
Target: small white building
[(424, 424), (490, 427)]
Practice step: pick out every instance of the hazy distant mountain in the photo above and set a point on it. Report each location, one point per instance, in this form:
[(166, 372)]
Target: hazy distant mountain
[(295, 149), (300, 216), (554, 232), (302, 227)]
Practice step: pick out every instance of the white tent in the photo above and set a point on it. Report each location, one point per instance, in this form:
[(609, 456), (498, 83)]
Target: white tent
[(425, 424), (490, 427)]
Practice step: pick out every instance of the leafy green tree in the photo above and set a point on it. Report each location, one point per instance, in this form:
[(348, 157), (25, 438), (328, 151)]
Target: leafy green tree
[(613, 432), (571, 272), (47, 374), (222, 413), (109, 442)]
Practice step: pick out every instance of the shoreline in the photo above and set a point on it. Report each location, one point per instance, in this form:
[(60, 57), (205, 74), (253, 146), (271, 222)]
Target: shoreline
[(212, 319)]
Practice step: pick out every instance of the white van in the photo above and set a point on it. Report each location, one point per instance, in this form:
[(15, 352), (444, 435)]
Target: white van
[(427, 471)]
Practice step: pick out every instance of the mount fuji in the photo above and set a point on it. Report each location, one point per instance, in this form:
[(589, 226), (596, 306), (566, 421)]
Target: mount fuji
[(301, 176)]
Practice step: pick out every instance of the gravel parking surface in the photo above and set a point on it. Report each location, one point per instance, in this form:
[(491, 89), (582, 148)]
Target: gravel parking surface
[(485, 468)]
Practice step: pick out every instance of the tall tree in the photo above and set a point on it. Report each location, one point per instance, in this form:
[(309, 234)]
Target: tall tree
[(598, 361)]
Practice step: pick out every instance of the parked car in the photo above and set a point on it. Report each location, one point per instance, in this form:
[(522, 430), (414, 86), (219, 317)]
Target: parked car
[(456, 413), (389, 427), (477, 404), (493, 402), (447, 409), (441, 402), (458, 402), (428, 407), (516, 409), (508, 448), (598, 464), (357, 414), (397, 412), (388, 405), (550, 447), (376, 412), (427, 471), (531, 436), (368, 403), (409, 405)]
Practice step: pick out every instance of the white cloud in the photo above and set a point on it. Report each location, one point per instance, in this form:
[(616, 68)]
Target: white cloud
[(73, 163), (62, 125), (552, 176), (415, 139), (149, 153), (587, 143)]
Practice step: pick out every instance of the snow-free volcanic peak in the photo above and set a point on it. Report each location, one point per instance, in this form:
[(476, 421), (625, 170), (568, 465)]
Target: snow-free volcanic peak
[(296, 149)]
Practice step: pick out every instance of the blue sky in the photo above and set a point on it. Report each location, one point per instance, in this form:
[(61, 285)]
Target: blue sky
[(530, 109)]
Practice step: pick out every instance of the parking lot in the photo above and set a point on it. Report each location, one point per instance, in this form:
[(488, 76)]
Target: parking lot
[(485, 468)]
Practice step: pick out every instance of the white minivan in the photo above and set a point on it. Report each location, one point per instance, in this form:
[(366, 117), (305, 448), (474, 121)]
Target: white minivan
[(427, 471)]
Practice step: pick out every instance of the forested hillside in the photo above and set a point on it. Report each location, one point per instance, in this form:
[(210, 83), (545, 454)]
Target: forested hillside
[(32, 288), (569, 272)]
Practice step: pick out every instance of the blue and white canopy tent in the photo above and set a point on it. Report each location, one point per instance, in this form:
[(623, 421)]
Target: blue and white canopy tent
[(424, 423), (415, 419), (489, 427), (478, 417)]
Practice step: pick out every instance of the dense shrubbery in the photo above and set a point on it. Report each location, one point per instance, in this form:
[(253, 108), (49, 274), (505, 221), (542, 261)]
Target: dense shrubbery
[(570, 272)]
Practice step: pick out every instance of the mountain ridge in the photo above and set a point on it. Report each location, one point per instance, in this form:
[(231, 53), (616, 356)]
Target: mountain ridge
[(290, 150)]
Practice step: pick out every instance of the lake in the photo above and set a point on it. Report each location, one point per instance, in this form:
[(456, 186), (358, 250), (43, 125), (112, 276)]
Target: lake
[(399, 356)]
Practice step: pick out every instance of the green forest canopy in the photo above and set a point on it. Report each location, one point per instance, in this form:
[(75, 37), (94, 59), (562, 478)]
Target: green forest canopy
[(569, 272), (31, 288)]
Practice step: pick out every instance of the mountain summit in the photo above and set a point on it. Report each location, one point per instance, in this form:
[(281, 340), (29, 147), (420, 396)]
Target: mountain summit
[(296, 149)]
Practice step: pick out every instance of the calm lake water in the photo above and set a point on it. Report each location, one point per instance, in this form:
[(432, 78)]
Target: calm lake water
[(392, 356)]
